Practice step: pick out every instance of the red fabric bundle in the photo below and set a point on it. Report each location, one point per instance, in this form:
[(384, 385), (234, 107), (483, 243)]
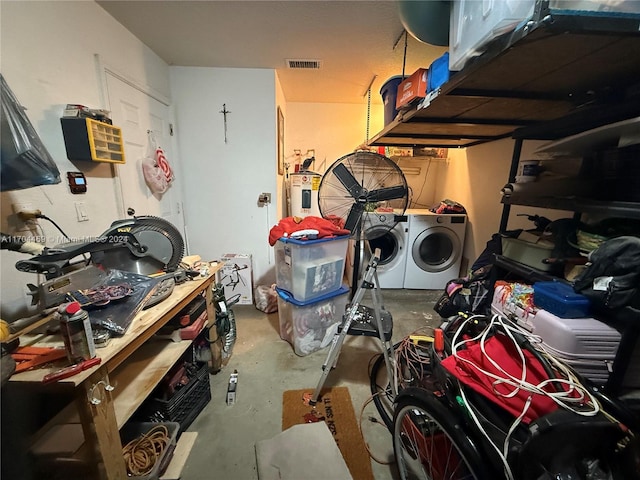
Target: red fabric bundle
[(502, 350), (289, 225)]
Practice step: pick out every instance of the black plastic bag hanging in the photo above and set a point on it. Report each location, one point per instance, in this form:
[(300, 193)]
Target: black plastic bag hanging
[(24, 160)]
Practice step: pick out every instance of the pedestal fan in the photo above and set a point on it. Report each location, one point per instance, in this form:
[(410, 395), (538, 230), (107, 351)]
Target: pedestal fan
[(356, 189)]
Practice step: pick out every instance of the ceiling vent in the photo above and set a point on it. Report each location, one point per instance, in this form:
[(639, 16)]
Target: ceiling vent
[(304, 64)]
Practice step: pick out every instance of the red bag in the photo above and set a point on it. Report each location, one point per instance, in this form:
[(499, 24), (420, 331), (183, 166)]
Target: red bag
[(156, 170), (503, 351)]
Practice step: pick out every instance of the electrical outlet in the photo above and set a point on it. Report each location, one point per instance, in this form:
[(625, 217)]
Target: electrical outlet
[(23, 225), (22, 207)]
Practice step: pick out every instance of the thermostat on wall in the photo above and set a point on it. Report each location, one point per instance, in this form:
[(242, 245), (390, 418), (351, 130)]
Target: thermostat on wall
[(77, 182)]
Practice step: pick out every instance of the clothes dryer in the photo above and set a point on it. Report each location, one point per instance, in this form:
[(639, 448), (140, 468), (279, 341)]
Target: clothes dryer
[(388, 232), (434, 251)]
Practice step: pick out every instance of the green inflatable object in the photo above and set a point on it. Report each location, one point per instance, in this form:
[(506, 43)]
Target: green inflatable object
[(426, 20)]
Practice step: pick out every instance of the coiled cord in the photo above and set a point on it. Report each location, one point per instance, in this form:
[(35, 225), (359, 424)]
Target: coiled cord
[(141, 454)]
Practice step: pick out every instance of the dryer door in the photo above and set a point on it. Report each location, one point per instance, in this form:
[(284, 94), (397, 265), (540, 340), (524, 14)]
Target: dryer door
[(388, 243), (436, 249)]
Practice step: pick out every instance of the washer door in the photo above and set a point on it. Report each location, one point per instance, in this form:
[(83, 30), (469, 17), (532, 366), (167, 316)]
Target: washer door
[(388, 243), (436, 249)]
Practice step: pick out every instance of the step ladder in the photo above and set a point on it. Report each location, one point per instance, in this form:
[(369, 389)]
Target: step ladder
[(362, 320)]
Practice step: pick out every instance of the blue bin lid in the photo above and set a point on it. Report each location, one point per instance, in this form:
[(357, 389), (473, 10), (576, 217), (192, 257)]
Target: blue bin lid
[(560, 290), (287, 297), (295, 241)]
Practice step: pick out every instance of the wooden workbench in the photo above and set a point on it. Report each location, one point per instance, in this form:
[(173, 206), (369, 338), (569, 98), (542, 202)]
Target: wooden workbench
[(133, 365)]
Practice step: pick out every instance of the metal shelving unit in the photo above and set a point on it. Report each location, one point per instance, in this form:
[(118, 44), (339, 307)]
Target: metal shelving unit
[(560, 74), (555, 66)]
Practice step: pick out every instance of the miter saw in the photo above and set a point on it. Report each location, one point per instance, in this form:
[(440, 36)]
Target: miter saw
[(139, 246), (144, 245)]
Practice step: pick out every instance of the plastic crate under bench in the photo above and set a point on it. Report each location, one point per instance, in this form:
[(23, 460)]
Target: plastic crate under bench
[(185, 404)]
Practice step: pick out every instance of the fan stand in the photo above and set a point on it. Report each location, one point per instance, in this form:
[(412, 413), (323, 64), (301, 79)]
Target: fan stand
[(357, 258), (361, 246)]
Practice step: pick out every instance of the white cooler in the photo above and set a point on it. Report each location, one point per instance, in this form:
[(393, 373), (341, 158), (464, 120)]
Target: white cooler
[(586, 344)]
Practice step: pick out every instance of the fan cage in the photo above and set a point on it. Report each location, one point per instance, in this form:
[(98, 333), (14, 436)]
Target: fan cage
[(372, 173)]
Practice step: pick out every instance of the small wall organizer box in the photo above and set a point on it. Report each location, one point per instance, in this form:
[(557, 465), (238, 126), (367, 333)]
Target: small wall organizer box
[(92, 140)]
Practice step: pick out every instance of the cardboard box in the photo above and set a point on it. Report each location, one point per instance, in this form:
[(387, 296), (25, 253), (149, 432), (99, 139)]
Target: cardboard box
[(236, 276), (411, 88)]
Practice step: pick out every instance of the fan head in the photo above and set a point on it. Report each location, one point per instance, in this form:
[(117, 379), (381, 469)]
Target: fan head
[(363, 192)]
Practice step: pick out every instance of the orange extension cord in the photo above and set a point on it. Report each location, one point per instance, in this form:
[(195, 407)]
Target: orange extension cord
[(142, 453)]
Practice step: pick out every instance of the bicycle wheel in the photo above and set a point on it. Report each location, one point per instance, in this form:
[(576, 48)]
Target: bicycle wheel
[(381, 391), (430, 443)]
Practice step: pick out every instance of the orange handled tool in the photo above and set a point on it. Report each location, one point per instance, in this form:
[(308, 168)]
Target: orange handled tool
[(71, 371), (30, 357), (438, 343)]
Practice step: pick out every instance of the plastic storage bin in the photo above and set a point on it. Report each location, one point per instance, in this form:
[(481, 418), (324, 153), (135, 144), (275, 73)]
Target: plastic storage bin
[(474, 23), (438, 72), (560, 299), (595, 7), (527, 253), (133, 430), (310, 326), (309, 269), (586, 344), (580, 337), (389, 93)]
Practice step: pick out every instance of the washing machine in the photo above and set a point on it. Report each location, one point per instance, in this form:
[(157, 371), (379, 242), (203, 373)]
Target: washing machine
[(434, 249), (388, 232)]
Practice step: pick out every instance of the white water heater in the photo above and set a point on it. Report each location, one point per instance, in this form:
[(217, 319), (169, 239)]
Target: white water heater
[(303, 194)]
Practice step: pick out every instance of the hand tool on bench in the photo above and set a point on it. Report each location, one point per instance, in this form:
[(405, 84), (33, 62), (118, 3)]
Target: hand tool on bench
[(71, 371), (30, 357)]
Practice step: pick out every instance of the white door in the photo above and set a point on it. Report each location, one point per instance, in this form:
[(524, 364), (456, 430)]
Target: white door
[(136, 113)]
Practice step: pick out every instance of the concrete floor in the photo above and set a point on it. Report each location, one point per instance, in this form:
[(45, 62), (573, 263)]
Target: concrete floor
[(267, 366)]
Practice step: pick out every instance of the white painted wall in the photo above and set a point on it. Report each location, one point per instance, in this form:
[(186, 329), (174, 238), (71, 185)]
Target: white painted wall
[(473, 177), (333, 130), (223, 180), (48, 50)]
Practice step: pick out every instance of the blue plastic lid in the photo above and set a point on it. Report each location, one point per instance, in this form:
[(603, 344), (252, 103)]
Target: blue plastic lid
[(295, 241), (560, 289), (287, 297)]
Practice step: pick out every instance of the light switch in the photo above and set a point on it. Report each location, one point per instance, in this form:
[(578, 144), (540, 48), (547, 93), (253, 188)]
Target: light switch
[(81, 212)]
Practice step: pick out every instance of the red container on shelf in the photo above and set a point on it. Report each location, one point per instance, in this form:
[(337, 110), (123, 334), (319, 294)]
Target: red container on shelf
[(412, 88)]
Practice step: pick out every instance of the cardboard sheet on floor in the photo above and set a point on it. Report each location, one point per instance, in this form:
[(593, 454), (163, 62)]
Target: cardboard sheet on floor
[(302, 451)]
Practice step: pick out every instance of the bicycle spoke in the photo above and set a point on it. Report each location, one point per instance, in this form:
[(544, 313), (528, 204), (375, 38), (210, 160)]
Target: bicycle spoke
[(424, 448)]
